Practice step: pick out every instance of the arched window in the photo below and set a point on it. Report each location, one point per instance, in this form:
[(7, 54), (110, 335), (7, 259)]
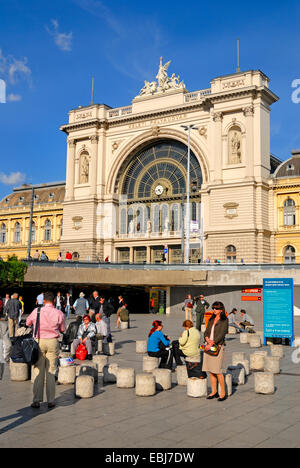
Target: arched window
[(230, 254), (130, 225), (17, 232), (139, 220), (165, 221), (289, 212), (156, 219), (289, 254), (3, 234), (47, 230), (123, 217)]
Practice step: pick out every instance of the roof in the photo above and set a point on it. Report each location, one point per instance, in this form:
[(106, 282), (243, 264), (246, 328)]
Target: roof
[(290, 167), (44, 194)]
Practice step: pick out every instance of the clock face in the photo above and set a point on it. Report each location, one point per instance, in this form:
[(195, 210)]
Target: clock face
[(159, 190)]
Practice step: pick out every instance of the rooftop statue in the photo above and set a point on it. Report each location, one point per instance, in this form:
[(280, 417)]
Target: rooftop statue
[(164, 82)]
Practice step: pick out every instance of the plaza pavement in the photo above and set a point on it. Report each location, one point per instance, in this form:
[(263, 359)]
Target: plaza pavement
[(116, 418)]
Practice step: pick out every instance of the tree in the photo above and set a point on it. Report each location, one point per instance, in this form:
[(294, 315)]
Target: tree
[(12, 272)]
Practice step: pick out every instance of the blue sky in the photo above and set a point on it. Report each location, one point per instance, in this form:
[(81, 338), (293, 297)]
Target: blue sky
[(50, 50)]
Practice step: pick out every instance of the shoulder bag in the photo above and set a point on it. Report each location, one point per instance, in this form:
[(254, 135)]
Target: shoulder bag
[(30, 347)]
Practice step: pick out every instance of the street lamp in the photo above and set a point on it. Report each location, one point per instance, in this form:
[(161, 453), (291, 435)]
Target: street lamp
[(188, 129)]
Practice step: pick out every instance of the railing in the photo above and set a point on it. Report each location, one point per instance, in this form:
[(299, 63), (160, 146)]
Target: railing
[(197, 95), (120, 112)]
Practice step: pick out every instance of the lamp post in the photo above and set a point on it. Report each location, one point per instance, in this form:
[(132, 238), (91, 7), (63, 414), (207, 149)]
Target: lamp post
[(188, 128), (30, 225)]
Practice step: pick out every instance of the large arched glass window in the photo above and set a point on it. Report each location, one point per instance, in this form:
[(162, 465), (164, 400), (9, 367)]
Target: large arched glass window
[(47, 230), (289, 212), (289, 254), (3, 234), (230, 254), (17, 232)]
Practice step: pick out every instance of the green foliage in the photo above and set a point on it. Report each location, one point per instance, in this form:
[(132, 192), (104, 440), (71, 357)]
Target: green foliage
[(12, 272)]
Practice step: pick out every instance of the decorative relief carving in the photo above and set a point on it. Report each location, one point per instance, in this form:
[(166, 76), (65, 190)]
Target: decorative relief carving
[(235, 145), (155, 131), (231, 210), (77, 222), (233, 84), (248, 111), (94, 139), (203, 131), (164, 82), (218, 116), (84, 168), (71, 142)]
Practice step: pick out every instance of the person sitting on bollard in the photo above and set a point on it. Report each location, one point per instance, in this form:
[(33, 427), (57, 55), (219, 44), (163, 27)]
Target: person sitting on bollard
[(71, 334), (101, 327), (159, 345), (86, 335), (233, 323), (124, 315), (188, 345), (247, 320)]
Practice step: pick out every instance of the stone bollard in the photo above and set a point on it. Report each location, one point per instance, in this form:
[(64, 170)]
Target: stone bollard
[(163, 379), (125, 378), (124, 325), (109, 349), (19, 371), (84, 386), (141, 347), (150, 363), (100, 346), (277, 351), (244, 338), (272, 364), (88, 369), (237, 374), (264, 383), (197, 388), (110, 373), (66, 375), (245, 363), (255, 341), (182, 375), (257, 362), (65, 355), (145, 385), (228, 384), (237, 357), (101, 361), (232, 330)]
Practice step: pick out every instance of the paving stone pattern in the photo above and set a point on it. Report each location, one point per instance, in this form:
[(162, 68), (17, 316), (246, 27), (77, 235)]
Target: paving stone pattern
[(117, 418)]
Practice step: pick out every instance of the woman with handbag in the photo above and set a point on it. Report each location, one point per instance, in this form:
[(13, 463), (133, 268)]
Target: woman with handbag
[(214, 336), (159, 345)]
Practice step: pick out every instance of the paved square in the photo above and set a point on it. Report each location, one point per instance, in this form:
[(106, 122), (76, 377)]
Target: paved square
[(116, 418)]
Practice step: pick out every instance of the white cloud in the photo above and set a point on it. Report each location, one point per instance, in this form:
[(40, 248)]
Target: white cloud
[(14, 97), (14, 178), (62, 40), (14, 70)]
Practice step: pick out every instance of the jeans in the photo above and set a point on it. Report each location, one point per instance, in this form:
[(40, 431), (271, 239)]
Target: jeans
[(68, 309)]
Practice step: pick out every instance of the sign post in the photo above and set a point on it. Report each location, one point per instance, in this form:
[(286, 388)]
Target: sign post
[(278, 295)]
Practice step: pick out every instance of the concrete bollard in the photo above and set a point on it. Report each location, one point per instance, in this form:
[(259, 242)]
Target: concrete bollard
[(238, 374), (277, 351), (163, 379), (90, 369), (19, 371), (65, 355), (232, 331), (101, 361), (197, 388), (110, 373), (257, 362), (182, 375), (237, 357), (150, 363), (255, 341), (141, 347), (145, 385), (245, 363), (124, 325), (100, 346), (272, 364), (264, 383), (109, 349), (125, 378), (84, 386), (228, 384), (66, 375), (244, 338)]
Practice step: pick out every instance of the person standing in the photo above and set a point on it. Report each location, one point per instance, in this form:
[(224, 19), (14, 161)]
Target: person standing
[(12, 310), (121, 305), (188, 307), (40, 299), (106, 310), (214, 336), (94, 304), (51, 324), (68, 304), (201, 306), (68, 256), (81, 305), (59, 301)]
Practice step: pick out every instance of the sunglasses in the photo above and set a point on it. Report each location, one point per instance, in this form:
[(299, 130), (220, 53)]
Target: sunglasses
[(217, 308)]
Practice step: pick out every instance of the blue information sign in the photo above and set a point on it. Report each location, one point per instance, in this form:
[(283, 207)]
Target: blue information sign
[(279, 308)]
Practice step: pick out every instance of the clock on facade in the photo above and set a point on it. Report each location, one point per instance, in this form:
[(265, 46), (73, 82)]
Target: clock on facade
[(159, 190)]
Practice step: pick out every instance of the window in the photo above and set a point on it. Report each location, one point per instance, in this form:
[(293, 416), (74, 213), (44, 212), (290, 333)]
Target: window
[(174, 218), (289, 254), (47, 230), (289, 212), (123, 217), (33, 231), (3, 234), (230, 254), (17, 232)]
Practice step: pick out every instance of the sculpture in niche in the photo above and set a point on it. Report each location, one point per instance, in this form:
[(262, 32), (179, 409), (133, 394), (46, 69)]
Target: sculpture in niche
[(131, 227), (84, 169), (166, 225), (235, 145)]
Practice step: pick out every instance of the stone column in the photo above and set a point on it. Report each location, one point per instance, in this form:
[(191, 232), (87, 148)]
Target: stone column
[(70, 181), (148, 254), (249, 153), (93, 165), (131, 255), (218, 118)]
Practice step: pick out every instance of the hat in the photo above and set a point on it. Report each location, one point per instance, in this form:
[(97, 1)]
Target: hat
[(81, 294)]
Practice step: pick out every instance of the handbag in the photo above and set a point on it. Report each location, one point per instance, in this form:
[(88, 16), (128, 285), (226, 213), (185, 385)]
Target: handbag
[(214, 352), (30, 347), (194, 369), (81, 352)]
